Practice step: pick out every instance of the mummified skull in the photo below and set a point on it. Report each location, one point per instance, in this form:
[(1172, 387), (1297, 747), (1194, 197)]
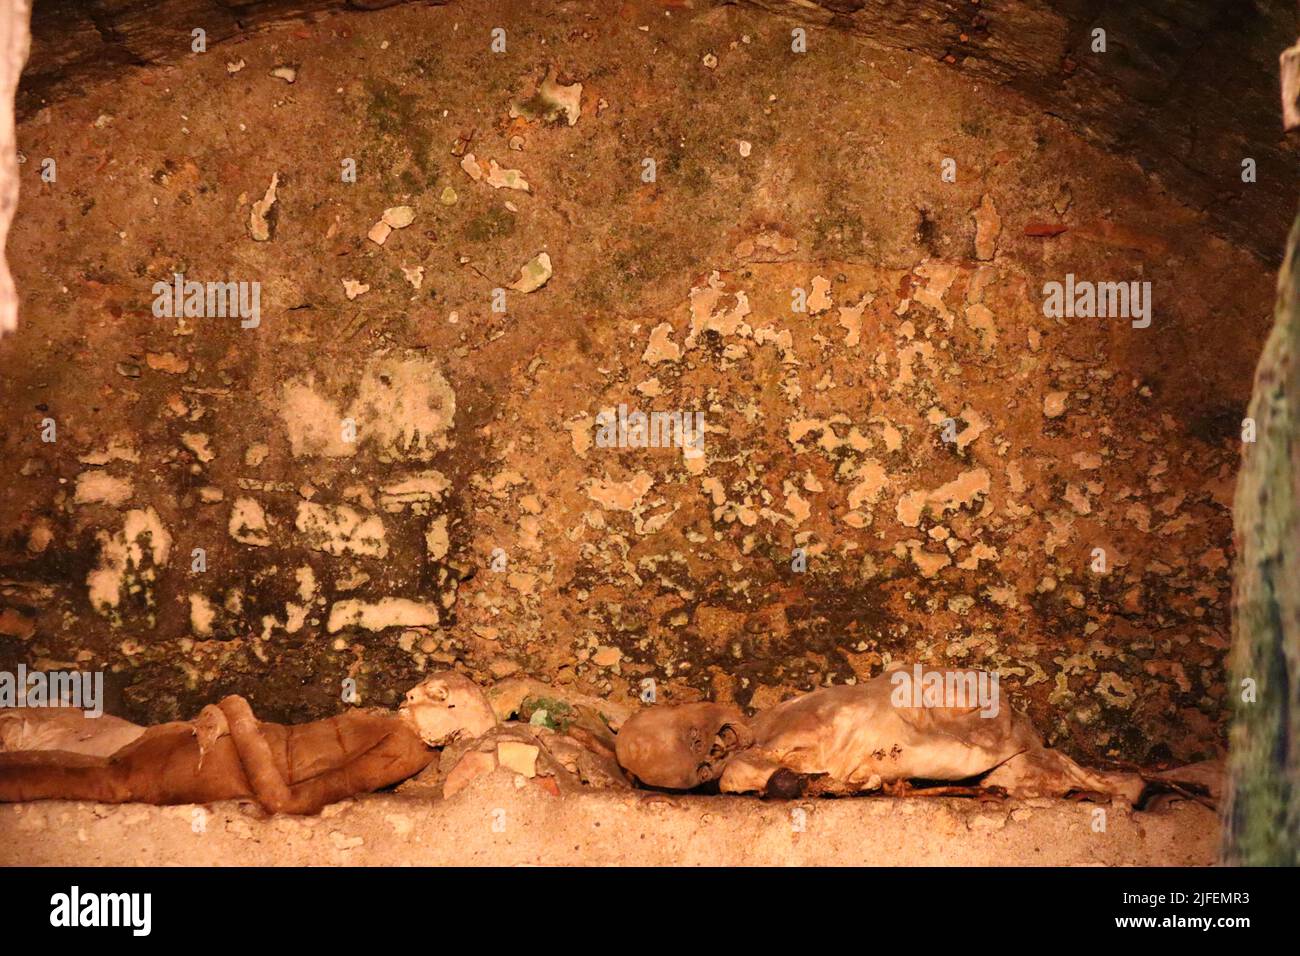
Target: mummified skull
[(683, 746), (446, 706)]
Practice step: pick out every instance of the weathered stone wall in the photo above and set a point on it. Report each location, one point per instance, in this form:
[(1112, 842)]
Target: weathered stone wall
[(1187, 88), (77, 41), (829, 428)]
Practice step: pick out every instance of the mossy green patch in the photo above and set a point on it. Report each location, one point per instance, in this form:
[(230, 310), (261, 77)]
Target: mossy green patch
[(492, 224), (559, 715), (399, 116)]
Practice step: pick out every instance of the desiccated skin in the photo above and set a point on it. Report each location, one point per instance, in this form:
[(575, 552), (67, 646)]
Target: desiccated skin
[(448, 706), (65, 729), (836, 740), (853, 738), (226, 753), (681, 747)]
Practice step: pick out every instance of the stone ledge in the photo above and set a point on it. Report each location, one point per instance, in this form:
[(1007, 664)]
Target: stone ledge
[(608, 829)]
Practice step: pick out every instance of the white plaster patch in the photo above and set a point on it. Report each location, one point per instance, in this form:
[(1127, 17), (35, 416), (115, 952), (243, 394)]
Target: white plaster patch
[(128, 558), (379, 615), (248, 523), (340, 530), (99, 487)]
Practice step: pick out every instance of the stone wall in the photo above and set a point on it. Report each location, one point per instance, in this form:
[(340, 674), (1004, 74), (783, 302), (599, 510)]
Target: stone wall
[(1187, 88), (829, 429)]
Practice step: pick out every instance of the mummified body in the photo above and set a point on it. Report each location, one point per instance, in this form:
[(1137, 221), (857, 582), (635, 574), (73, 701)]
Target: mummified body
[(844, 739), (849, 739), (226, 753)]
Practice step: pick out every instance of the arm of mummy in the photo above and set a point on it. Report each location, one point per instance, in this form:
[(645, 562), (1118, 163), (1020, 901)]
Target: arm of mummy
[(747, 773), (269, 786), (209, 727), (301, 769)]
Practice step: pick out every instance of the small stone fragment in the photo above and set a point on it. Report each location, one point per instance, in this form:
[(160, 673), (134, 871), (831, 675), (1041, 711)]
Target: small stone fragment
[(1064, 199), (534, 274), (552, 101), (167, 362), (606, 656), (1054, 404), (436, 541), (340, 529), (40, 537), (820, 299), (474, 764), (988, 226), (200, 445), (260, 223), (518, 757), (399, 217), (498, 177), (343, 842), (471, 167)]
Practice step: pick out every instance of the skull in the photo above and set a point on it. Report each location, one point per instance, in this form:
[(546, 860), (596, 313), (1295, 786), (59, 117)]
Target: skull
[(680, 747), (446, 706)]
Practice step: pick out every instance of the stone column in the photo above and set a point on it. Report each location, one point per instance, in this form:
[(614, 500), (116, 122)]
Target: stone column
[(1262, 821)]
